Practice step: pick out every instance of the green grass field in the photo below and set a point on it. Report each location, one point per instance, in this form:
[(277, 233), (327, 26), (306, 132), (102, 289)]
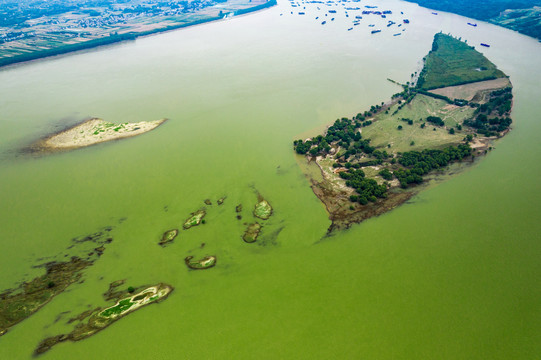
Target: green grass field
[(385, 131), (453, 62)]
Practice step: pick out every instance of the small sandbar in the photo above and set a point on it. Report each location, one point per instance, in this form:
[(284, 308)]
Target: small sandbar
[(94, 131), (205, 263)]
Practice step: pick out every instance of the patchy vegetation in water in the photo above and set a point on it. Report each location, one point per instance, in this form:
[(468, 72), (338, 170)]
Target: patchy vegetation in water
[(168, 237), (205, 263), (99, 318), (195, 219), (251, 233), (372, 162), (20, 303)]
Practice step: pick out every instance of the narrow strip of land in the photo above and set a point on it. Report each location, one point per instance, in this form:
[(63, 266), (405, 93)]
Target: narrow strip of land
[(91, 132)]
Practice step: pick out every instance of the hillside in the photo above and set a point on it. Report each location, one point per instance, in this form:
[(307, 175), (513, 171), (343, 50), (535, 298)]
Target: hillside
[(520, 15)]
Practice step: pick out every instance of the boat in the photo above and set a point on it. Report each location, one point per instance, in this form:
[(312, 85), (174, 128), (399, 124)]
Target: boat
[(371, 25), (350, 29), (485, 45), (301, 13), (332, 11), (472, 24), (376, 31), (434, 13), (397, 34), (358, 17), (406, 21), (323, 23), (332, 19)]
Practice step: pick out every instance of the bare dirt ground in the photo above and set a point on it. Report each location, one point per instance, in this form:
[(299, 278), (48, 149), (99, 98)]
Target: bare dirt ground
[(468, 91)]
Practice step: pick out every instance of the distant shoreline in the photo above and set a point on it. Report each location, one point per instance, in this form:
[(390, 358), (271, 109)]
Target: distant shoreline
[(114, 39)]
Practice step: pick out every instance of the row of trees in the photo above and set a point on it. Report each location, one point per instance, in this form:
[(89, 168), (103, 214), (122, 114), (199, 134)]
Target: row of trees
[(419, 163)]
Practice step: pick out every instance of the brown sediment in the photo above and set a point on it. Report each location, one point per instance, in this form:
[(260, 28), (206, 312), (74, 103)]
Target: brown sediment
[(338, 205), (472, 91), (90, 132)]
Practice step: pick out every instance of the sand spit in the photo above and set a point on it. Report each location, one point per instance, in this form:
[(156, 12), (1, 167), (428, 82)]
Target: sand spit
[(93, 131)]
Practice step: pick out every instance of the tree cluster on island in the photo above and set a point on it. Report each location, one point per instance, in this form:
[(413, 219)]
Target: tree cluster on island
[(407, 167)]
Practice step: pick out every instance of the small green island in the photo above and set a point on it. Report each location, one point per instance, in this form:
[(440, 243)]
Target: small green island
[(168, 237), (263, 209), (450, 112), (195, 219), (127, 302), (251, 233)]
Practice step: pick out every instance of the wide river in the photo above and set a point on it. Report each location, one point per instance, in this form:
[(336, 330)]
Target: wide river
[(453, 274)]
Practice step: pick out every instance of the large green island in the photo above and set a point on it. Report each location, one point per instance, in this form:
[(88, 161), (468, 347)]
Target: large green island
[(450, 112)]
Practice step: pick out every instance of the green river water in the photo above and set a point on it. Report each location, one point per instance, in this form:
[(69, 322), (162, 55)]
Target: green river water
[(453, 274)]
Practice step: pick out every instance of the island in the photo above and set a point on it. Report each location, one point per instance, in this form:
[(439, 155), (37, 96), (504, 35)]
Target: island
[(195, 219), (90, 132), (168, 237), (251, 233), (263, 209), (450, 112), (127, 302), (205, 263)]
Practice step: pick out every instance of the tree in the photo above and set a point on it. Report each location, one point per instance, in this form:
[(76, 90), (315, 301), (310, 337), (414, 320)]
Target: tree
[(386, 174)]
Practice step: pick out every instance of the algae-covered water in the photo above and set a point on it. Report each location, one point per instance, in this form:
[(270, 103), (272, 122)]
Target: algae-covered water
[(453, 274)]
